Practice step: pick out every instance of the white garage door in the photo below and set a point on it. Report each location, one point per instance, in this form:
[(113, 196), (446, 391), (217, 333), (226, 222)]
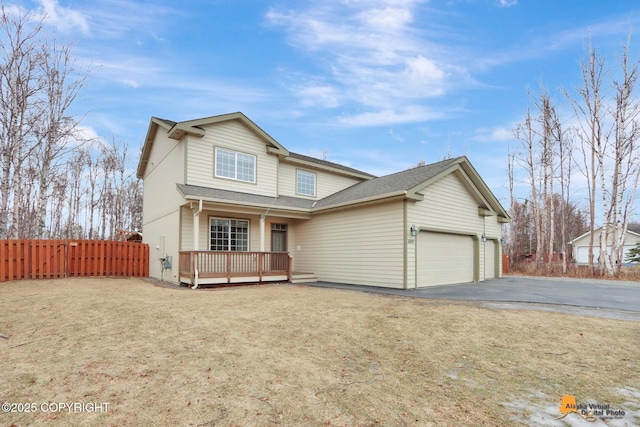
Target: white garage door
[(444, 258), (489, 259), (582, 253)]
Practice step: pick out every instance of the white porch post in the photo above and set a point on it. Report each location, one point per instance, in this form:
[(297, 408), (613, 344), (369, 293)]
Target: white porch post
[(262, 220), (196, 226)]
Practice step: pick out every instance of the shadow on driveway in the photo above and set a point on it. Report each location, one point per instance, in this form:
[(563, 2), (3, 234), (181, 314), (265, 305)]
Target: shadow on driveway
[(600, 298)]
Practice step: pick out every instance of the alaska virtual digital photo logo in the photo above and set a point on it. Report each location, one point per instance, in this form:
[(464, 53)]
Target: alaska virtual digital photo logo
[(589, 411)]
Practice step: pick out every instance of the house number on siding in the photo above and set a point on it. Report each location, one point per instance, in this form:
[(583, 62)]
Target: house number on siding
[(411, 240)]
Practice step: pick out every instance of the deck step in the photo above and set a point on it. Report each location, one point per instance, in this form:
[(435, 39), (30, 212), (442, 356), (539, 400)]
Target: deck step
[(303, 278)]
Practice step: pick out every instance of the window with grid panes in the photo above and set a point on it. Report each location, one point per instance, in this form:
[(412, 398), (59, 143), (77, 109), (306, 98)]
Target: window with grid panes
[(306, 183), (235, 165), (229, 235)]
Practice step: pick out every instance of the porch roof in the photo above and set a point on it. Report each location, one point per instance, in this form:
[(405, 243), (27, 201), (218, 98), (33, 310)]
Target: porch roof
[(227, 196)]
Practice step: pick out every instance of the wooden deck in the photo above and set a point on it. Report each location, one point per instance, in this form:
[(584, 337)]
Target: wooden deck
[(222, 267)]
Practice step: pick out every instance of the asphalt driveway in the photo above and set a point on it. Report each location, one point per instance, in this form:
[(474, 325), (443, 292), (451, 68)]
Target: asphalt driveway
[(602, 298)]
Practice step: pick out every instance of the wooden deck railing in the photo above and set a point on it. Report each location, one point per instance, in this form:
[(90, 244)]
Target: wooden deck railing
[(228, 267)]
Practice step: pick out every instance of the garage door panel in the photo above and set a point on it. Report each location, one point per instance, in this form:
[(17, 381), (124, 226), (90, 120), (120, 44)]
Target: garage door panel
[(444, 259)]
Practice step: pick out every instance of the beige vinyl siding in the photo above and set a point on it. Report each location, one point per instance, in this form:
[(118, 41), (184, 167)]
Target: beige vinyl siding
[(326, 183), (160, 205), (362, 246), (186, 235), (234, 136), (449, 207), (162, 235)]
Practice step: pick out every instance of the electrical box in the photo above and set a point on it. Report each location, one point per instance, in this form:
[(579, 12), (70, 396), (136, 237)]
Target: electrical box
[(166, 263)]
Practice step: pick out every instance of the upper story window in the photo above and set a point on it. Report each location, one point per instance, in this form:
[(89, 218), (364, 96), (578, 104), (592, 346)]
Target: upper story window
[(306, 183), (234, 165)]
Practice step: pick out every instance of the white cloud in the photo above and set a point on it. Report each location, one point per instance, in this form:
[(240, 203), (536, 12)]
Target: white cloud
[(497, 134), (131, 83), (318, 94), (373, 56), (410, 114), (87, 135), (64, 19), (573, 38), (395, 136), (388, 19), (424, 77), (378, 162), (508, 3)]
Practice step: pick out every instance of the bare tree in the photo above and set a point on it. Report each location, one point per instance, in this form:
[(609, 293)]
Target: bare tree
[(510, 245), (93, 170), (57, 128), (625, 169), (76, 167), (565, 160), (548, 121), (18, 108), (44, 161), (609, 149), (529, 160), (589, 112)]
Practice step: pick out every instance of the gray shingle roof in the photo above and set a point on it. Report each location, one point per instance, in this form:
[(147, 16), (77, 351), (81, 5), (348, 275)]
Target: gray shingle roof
[(369, 189), (396, 182), (170, 123), (328, 164), (234, 196)]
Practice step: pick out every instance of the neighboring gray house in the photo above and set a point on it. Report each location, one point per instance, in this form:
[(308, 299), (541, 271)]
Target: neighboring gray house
[(224, 202)]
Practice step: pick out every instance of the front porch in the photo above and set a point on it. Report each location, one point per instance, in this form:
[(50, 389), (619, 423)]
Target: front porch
[(228, 267)]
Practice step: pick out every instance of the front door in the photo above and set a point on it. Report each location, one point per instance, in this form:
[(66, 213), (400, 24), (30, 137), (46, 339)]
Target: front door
[(278, 237), (278, 244)]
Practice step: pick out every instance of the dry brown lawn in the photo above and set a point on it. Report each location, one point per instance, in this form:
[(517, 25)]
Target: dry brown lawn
[(296, 356)]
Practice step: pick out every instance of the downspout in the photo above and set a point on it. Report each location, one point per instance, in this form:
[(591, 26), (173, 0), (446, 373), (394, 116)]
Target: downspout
[(405, 245)]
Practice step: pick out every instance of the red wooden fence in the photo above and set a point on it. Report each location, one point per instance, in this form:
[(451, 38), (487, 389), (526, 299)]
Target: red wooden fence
[(49, 259), (505, 264)]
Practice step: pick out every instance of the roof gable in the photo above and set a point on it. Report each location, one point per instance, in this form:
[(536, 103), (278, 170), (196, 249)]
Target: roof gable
[(154, 125), (395, 184), (194, 127), (177, 130), (410, 182), (596, 233)]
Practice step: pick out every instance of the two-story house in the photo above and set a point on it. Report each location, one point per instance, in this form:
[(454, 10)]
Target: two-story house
[(224, 202)]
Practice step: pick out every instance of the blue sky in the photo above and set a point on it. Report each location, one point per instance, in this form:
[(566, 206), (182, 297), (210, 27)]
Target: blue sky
[(376, 85)]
